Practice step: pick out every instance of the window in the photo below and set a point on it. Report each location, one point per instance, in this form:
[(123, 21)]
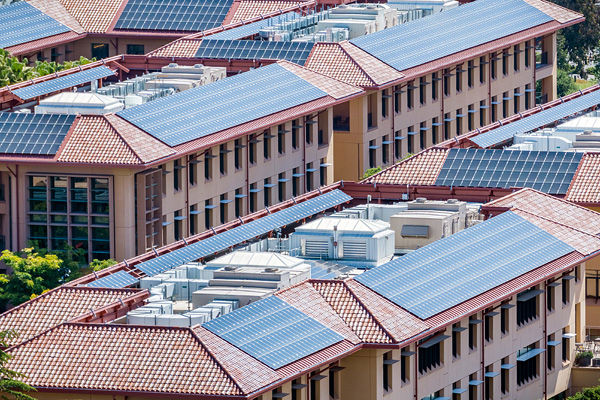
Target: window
[(372, 154), (429, 355), (309, 177), (458, 81), (459, 117), (410, 93), (397, 93), (208, 165), (135, 49), (372, 110), (295, 133), (505, 62), (208, 213), (473, 322), (505, 318), (333, 372), (223, 159), (387, 371), (516, 52), (550, 353), (268, 186), (527, 96), (489, 382), (434, 130), (470, 73), (473, 388), (177, 167), (494, 65), (193, 219), (527, 53), (456, 391), (223, 208), (237, 154), (253, 197), (566, 286), (411, 139), (267, 145), (456, 333), (385, 149), (447, 121), (398, 145), (296, 389), (505, 99), (422, 130), (566, 346), (252, 149), (405, 364), (550, 295), (504, 376), (54, 54), (192, 170), (178, 225), (308, 132), (577, 272), (482, 64), (281, 139), (296, 182), (516, 98), (488, 326), (434, 86), (323, 172), (281, 189), (314, 388), (494, 108), (447, 76), (239, 202), (385, 102), (99, 50), (527, 368), (471, 117), (482, 108), (527, 306), (422, 90)]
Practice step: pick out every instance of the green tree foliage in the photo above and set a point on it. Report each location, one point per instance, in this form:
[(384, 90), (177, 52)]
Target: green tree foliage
[(97, 265), (582, 39), (13, 71), (11, 387), (370, 172), (564, 83), (33, 274), (587, 394)]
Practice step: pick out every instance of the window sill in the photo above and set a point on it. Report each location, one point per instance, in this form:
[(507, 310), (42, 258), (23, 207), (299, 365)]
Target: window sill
[(528, 383)]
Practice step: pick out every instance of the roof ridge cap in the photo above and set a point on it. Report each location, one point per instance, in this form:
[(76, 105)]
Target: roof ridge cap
[(116, 131), (373, 82)]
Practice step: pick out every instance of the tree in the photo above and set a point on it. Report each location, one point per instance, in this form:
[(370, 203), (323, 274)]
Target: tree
[(11, 387), (370, 172), (582, 39), (33, 274), (564, 83), (97, 265), (587, 394)]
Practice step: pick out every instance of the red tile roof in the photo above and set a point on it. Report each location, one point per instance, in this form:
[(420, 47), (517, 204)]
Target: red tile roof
[(420, 169), (55, 10), (178, 48), (248, 9), (95, 16), (585, 187), (348, 63), (108, 139), (560, 14), (57, 306), (36, 45), (121, 358)]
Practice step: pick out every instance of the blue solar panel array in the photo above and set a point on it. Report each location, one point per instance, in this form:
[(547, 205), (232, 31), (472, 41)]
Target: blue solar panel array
[(173, 15), (39, 134), (459, 267), (442, 34), (21, 23), (273, 332), (243, 232), (252, 28), (535, 121), (204, 110), (547, 171), (119, 279), (296, 52), (64, 82)]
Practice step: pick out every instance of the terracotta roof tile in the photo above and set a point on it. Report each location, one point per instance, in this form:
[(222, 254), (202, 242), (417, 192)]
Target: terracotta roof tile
[(50, 41), (55, 10), (560, 14), (354, 314), (178, 48), (58, 306), (551, 208), (585, 187), (421, 169), (108, 139), (307, 299), (401, 324), (247, 9), (348, 63), (95, 16), (332, 87), (120, 357), (322, 357)]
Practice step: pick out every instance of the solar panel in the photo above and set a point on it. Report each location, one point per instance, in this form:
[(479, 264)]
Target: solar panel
[(39, 134), (173, 15), (547, 171), (21, 23), (243, 232), (119, 279), (296, 52), (535, 121), (252, 28), (229, 102), (417, 42), (64, 82), (459, 267), (273, 332)]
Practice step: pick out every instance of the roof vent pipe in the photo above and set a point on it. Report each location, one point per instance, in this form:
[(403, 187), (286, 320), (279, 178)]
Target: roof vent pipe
[(420, 200), (452, 201)]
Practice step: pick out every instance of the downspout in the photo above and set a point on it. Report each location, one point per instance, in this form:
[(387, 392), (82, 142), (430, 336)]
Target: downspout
[(483, 351), (186, 178), (15, 173), (247, 176), (489, 121), (543, 305), (416, 395), (533, 65), (303, 138)]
